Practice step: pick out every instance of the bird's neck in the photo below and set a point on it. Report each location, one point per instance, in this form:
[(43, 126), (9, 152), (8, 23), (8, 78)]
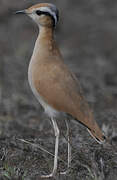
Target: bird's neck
[(45, 45), (45, 41), (46, 34)]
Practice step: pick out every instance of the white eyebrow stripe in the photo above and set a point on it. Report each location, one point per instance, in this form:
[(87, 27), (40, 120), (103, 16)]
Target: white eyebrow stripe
[(46, 9)]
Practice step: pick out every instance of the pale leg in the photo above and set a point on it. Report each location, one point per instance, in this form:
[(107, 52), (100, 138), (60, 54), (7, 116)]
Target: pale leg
[(56, 130), (69, 147)]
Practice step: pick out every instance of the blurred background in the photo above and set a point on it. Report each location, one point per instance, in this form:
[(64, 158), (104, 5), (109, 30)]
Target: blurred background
[(87, 37)]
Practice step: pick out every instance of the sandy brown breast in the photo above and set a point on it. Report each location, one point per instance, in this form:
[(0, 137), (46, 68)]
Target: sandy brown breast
[(57, 86)]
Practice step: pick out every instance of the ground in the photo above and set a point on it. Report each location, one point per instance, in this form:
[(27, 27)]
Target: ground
[(87, 37)]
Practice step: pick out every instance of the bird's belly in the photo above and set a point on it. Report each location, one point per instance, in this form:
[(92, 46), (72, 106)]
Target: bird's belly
[(50, 111)]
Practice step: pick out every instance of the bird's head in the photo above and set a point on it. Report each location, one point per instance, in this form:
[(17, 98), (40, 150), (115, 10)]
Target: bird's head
[(44, 14)]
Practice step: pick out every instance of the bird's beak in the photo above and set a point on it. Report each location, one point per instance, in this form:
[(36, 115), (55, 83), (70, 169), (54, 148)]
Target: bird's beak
[(21, 12)]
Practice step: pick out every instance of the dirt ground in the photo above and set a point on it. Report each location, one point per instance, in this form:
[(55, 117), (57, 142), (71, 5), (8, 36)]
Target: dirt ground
[(87, 36)]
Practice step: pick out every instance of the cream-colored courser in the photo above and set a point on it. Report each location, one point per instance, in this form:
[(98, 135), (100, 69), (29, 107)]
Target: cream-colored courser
[(53, 84)]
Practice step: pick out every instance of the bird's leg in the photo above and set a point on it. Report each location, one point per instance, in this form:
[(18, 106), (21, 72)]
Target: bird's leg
[(69, 147), (56, 130)]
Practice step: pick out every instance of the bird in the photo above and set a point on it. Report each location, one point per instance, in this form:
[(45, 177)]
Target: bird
[(53, 84)]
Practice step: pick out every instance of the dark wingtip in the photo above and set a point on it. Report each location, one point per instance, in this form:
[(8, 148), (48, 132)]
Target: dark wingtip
[(101, 140), (104, 137)]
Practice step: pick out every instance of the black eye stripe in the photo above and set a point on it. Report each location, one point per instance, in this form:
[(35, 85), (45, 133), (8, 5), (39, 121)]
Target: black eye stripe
[(38, 12)]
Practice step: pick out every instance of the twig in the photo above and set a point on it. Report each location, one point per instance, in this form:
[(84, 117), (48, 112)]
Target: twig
[(40, 147)]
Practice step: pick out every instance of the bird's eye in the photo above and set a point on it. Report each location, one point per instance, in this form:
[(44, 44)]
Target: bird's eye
[(38, 12)]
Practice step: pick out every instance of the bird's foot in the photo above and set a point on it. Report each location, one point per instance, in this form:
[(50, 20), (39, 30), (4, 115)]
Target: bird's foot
[(53, 174), (65, 172), (47, 176)]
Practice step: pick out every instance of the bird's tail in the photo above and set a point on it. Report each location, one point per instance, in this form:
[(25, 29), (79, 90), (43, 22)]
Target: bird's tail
[(92, 127)]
